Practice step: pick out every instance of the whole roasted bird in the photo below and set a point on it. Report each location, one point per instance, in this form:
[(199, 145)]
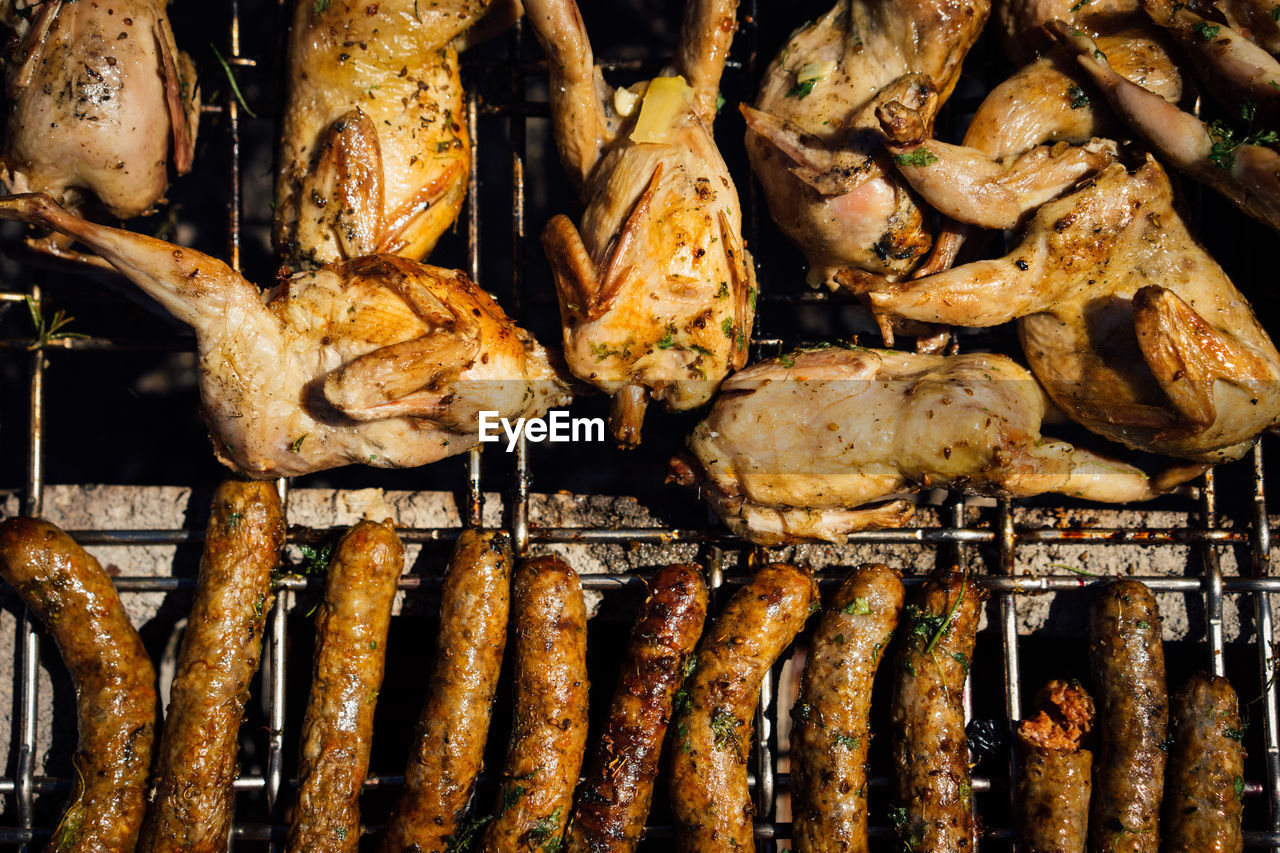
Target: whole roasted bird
[(100, 98), (819, 443), (1132, 328), (813, 139), (375, 152), (657, 290), (378, 360)]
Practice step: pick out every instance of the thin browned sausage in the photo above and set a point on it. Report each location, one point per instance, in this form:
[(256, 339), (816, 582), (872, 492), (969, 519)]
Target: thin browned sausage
[(448, 748), (192, 795), (549, 729), (1206, 769), (831, 723), (611, 807), (709, 796), (1127, 659), (930, 751), (114, 680), (337, 730), (1053, 772)]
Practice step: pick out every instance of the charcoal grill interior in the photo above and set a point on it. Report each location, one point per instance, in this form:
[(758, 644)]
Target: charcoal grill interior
[(119, 406)]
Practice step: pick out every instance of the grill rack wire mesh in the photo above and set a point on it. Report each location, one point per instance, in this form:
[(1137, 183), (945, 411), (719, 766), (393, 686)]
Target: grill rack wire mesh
[(23, 784)]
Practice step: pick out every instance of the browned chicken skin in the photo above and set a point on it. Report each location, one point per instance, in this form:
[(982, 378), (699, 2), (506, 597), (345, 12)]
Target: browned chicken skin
[(375, 152), (379, 360), (100, 98), (812, 134), (1132, 328), (816, 444), (657, 291)]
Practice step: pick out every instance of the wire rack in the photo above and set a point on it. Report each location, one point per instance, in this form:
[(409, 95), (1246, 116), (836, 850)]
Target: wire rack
[(963, 526)]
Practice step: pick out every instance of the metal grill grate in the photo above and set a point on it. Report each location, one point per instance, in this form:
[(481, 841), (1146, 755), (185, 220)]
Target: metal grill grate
[(962, 525)]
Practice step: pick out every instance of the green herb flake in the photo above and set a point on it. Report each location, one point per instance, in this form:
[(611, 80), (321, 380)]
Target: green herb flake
[(1143, 624), (296, 445), (1239, 787), (1234, 734), (802, 90), (724, 727), (719, 101), (669, 339), (849, 742), (1080, 5), (235, 87), (1079, 98), (1207, 31), (233, 520), (726, 326), (921, 156), (857, 607), (319, 6)]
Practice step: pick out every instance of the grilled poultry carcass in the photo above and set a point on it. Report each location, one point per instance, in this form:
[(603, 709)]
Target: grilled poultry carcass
[(1133, 329), (375, 152), (1048, 102), (657, 291), (819, 443), (812, 135), (100, 98), (378, 360), (1246, 173)]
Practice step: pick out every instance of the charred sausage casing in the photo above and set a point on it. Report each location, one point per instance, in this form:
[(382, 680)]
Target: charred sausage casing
[(930, 751), (1053, 771), (831, 725), (1127, 659), (114, 680), (709, 796), (1206, 769), (612, 805), (549, 729), (448, 748), (337, 729), (191, 802)]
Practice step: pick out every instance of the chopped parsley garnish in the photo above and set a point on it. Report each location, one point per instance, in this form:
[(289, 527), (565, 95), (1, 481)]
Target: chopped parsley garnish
[(1079, 98), (920, 157), (1207, 31), (856, 607), (802, 90)]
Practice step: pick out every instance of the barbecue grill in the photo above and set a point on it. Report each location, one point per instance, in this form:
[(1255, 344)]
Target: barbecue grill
[(118, 406)]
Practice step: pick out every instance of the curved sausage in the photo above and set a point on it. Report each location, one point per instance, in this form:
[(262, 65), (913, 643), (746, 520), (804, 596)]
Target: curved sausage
[(612, 805), (114, 680), (549, 728), (831, 726), (351, 639), (930, 751), (1206, 769), (1127, 659), (196, 764), (1053, 773), (709, 797), (448, 748)]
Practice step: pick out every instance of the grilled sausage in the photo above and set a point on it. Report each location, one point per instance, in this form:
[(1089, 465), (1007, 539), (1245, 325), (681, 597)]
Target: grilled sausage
[(351, 639), (611, 807), (831, 726), (1127, 659), (192, 794), (448, 748), (930, 752), (114, 680), (1206, 769), (1053, 773), (709, 797), (549, 729)]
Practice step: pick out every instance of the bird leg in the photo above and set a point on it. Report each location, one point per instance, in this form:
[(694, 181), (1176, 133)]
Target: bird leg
[(195, 288), (705, 37), (626, 414)]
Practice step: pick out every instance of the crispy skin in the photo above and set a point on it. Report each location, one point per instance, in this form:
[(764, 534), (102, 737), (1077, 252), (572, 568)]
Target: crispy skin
[(1053, 777), (191, 802), (612, 806), (351, 639), (114, 680), (709, 797), (549, 729), (1206, 764), (930, 752), (832, 726), (448, 748), (1127, 659)]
